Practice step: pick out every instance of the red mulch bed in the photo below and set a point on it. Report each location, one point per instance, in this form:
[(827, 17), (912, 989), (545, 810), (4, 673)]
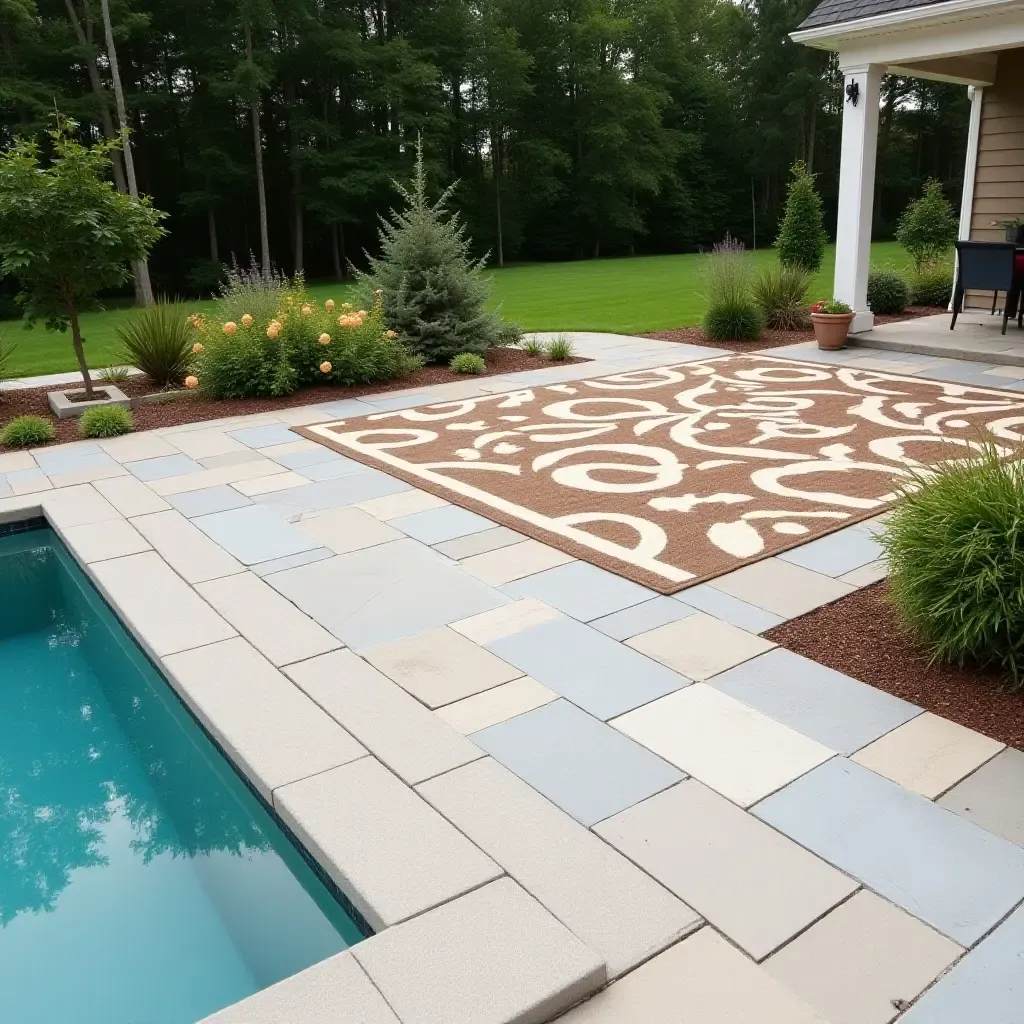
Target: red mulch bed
[(193, 408), (862, 636), (776, 339)]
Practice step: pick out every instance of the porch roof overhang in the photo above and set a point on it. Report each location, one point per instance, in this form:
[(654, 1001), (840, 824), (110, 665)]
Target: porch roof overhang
[(953, 41)]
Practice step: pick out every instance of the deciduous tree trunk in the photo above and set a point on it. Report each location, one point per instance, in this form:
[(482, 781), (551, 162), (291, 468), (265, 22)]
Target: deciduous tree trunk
[(257, 145), (78, 342), (211, 226)]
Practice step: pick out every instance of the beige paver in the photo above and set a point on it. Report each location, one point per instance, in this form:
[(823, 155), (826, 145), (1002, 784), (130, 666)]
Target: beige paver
[(700, 645), (928, 754), (717, 739), (314, 996), (752, 883), (86, 476), (384, 846), (477, 543), (33, 485), (274, 451), (204, 443), (158, 605), (853, 964), (271, 623), (202, 479), (412, 741), (440, 666), (77, 506), (493, 956), (615, 908), (273, 482), (348, 529), (865, 575), (136, 447), (404, 503), (111, 539), (271, 729), (131, 497), (514, 562), (12, 462), (506, 621), (185, 547), (702, 980), (781, 587), (496, 705)]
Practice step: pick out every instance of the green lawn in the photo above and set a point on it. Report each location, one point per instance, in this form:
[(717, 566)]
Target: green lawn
[(625, 296)]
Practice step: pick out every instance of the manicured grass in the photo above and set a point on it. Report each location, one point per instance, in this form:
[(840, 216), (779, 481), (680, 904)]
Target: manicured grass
[(624, 296)]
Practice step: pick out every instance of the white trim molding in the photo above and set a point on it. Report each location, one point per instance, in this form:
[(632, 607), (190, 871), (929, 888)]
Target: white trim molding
[(977, 96)]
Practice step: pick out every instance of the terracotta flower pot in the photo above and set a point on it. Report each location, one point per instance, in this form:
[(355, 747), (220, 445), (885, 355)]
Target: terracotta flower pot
[(831, 329)]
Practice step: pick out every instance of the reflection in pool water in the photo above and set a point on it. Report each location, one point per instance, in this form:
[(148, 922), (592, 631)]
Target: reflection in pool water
[(140, 881)]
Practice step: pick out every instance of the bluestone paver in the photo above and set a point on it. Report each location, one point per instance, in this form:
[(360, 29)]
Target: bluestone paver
[(187, 550), (345, 490), (617, 910), (581, 590), (861, 959), (579, 763), (136, 447), (514, 561), (589, 668), (991, 796), (263, 437), (267, 484), (291, 561), (948, 872), (333, 470), (385, 847), (27, 481), (830, 707), (314, 456), (498, 704), (404, 503), (163, 467), (837, 553), (731, 609), (209, 500), (346, 408), (412, 741), (641, 618), (254, 534), (493, 956), (479, 543), (347, 529), (753, 884), (130, 496), (436, 525), (781, 587)]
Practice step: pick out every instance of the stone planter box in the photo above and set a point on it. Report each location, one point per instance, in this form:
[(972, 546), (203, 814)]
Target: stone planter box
[(62, 406)]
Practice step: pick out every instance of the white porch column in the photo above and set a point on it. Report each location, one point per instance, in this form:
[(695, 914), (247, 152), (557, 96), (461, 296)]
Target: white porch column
[(857, 191)]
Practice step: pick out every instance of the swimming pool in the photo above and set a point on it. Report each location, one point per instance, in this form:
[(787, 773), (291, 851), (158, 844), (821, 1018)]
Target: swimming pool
[(141, 882)]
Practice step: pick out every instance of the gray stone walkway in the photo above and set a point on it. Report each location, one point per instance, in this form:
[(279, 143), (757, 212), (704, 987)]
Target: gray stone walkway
[(534, 777)]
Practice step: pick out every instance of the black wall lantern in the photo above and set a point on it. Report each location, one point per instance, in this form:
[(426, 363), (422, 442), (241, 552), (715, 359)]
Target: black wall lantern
[(853, 92)]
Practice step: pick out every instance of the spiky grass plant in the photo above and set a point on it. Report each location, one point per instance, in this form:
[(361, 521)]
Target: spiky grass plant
[(780, 292), (955, 543), (560, 348)]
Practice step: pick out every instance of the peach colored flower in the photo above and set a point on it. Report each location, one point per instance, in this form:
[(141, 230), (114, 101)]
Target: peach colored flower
[(191, 382), (230, 327), (307, 309), (247, 320), (325, 367), (324, 339), (390, 334), (329, 305), (378, 291), (273, 331), (197, 348), (362, 314)]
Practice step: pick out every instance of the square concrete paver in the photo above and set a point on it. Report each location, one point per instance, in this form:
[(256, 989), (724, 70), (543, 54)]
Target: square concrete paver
[(209, 500), (747, 616), (254, 534), (493, 956), (951, 874), (828, 706), (274, 626), (514, 561), (699, 645), (404, 503), (111, 539), (641, 618), (204, 444), (165, 466), (346, 490), (701, 980), (412, 741), (929, 754), (581, 590), (727, 745), (496, 705), (347, 529), (186, 549), (506, 621), (991, 797), (860, 959), (130, 497), (273, 482), (590, 669), (479, 543), (435, 525), (781, 587), (385, 593), (268, 726), (582, 765), (440, 666), (986, 986), (838, 553), (753, 884), (76, 506), (615, 908), (384, 846), (263, 437)]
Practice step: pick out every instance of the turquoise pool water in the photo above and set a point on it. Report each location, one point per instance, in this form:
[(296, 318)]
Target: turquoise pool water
[(141, 882)]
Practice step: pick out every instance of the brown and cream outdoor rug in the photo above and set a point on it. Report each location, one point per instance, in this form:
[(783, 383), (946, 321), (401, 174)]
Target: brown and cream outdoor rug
[(673, 475)]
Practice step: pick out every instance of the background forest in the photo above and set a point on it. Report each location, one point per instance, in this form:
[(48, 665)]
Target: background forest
[(577, 128)]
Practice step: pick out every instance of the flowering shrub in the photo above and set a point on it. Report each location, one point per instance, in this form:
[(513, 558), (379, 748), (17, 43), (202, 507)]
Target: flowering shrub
[(832, 307)]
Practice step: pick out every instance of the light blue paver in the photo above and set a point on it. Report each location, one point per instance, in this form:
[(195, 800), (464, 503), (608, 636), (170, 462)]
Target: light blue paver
[(5, 487), (26, 476), (333, 469), (254, 534), (590, 669), (723, 606), (585, 767), (345, 409), (346, 490), (838, 553), (385, 593), (164, 466), (986, 987), (320, 454), (953, 875), (265, 436), (581, 590), (399, 402), (436, 525), (207, 501), (87, 457), (291, 561), (659, 611), (832, 708)]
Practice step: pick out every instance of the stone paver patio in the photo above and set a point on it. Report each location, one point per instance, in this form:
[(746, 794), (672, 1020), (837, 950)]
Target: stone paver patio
[(533, 777)]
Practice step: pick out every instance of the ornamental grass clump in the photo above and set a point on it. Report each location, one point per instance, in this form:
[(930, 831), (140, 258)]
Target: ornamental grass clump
[(732, 314), (955, 543), (467, 362), (25, 431), (105, 421), (560, 348), (780, 292), (158, 341)]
